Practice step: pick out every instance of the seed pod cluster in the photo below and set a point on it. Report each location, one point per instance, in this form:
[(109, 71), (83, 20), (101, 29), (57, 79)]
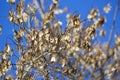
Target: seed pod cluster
[(43, 48)]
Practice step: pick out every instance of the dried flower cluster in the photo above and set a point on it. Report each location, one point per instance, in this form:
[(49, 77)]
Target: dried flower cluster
[(48, 50)]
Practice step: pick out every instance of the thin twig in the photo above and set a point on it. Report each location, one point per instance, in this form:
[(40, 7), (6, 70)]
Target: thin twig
[(113, 24), (39, 8), (88, 67), (42, 5), (28, 69), (110, 36)]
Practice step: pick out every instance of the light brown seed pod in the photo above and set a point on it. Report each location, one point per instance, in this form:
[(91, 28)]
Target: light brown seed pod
[(19, 9), (102, 33), (93, 14), (11, 15), (25, 16), (107, 8), (117, 40), (99, 23), (11, 1)]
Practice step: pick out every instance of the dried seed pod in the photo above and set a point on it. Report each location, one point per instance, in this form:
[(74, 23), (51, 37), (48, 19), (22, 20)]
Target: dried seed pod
[(11, 1), (111, 52), (11, 15), (76, 20), (17, 36), (20, 20), (7, 48), (107, 8), (19, 9), (93, 14), (22, 3), (90, 32), (117, 40), (53, 7), (9, 77), (63, 62), (55, 1), (21, 32), (105, 46), (53, 57), (31, 77), (19, 48), (57, 24), (100, 22), (102, 33), (86, 45), (36, 22), (47, 18), (60, 11), (1, 53), (25, 17), (31, 8)]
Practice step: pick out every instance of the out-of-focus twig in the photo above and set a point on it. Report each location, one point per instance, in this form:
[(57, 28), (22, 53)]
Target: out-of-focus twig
[(110, 36), (42, 5), (29, 68), (113, 24), (40, 9), (88, 68)]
